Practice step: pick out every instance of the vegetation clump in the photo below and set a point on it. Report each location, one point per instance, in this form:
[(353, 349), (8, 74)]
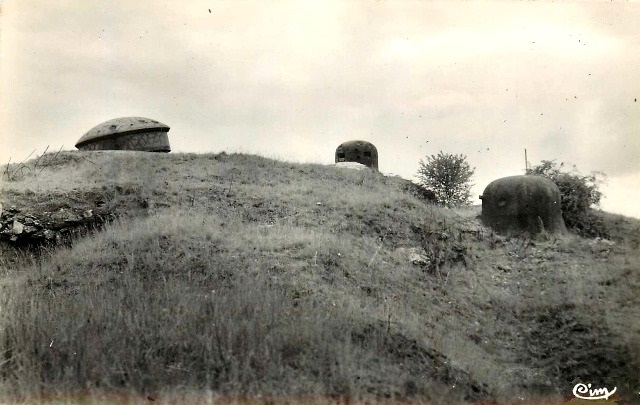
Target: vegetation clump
[(579, 193), (449, 176)]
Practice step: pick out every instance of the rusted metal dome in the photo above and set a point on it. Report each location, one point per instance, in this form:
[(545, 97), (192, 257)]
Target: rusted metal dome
[(358, 151), (127, 133)]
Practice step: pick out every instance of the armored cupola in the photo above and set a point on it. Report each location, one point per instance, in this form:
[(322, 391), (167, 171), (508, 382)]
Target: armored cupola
[(526, 203), (358, 151), (127, 133)]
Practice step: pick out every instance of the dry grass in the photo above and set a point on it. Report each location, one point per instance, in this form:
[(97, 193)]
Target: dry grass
[(234, 276)]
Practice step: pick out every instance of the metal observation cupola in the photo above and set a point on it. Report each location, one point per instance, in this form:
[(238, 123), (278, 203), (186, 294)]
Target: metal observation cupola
[(358, 151)]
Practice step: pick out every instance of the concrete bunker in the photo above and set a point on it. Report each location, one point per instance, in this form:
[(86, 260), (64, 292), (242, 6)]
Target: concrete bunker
[(358, 151), (127, 133), (517, 204)]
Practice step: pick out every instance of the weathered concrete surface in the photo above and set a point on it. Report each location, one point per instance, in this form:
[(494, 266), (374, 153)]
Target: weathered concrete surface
[(350, 165)]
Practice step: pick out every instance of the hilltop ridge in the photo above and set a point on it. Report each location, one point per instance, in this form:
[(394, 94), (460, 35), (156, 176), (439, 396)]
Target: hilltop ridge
[(241, 276)]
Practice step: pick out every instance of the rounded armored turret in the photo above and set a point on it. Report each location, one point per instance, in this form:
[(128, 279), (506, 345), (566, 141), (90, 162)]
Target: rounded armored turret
[(358, 151), (127, 133), (522, 204)]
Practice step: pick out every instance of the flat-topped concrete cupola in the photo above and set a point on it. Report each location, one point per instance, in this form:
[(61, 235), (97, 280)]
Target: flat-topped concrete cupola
[(358, 151), (127, 133)]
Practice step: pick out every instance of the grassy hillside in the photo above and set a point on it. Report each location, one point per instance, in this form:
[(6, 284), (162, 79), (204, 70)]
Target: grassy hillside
[(229, 278)]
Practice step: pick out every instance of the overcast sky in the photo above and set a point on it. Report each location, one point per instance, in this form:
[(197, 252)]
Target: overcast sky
[(294, 79)]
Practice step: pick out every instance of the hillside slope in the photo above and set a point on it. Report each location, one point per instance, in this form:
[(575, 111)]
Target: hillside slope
[(228, 276)]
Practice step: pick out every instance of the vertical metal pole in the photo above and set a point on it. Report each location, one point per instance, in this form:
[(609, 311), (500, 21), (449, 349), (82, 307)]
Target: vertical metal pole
[(526, 164)]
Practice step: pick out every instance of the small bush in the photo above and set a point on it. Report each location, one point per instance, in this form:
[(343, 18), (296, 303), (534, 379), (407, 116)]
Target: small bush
[(449, 176), (578, 194)]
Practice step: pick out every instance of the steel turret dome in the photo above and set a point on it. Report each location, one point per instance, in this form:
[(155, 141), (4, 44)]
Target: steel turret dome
[(358, 151), (127, 133), (522, 203)]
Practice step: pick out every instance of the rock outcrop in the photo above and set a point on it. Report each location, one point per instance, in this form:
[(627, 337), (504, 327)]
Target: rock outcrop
[(19, 227)]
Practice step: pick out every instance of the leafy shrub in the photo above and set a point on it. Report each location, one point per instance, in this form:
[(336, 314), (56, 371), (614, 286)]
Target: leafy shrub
[(578, 194), (449, 177)]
